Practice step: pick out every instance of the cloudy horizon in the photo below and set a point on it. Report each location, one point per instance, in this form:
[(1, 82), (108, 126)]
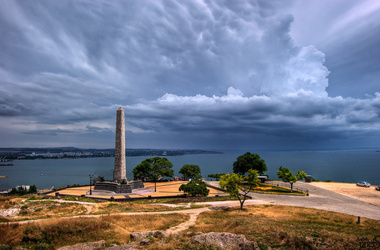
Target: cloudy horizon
[(247, 74)]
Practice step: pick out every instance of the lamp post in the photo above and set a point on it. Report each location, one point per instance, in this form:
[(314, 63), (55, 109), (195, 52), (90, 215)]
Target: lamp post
[(91, 176)]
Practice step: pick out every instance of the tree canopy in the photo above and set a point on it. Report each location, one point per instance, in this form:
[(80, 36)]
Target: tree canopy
[(233, 184), (189, 171), (249, 161), (216, 176), (152, 168), (195, 188), (301, 175), (287, 176)]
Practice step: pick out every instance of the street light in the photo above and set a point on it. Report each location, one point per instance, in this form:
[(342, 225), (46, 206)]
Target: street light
[(91, 176)]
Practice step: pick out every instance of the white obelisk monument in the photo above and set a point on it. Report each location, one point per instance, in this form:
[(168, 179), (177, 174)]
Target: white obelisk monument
[(120, 167)]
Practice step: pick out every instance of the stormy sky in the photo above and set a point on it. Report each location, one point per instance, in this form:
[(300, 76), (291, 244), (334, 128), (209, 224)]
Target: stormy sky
[(206, 74)]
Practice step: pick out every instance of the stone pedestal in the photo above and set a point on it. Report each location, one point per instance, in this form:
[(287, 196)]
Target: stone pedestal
[(117, 187)]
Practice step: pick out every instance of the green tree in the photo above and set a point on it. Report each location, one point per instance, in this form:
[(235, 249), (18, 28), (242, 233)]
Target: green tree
[(142, 170), (287, 176), (249, 161), (153, 168), (33, 189), (216, 176), (99, 179), (233, 184), (301, 175), (195, 188), (189, 171)]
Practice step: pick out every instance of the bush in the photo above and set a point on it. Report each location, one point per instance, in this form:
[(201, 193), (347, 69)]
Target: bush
[(21, 191), (195, 188)]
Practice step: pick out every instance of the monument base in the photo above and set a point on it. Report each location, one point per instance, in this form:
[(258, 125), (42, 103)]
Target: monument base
[(117, 187)]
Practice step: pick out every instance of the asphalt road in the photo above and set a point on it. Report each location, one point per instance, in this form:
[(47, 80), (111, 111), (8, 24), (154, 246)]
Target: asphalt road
[(320, 198)]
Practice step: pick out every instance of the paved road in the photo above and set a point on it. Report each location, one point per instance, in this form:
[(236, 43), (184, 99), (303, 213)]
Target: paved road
[(320, 198)]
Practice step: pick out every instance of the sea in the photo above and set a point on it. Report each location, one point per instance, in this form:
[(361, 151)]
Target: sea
[(349, 166)]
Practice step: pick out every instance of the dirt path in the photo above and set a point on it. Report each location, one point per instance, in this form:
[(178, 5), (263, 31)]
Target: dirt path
[(183, 226)]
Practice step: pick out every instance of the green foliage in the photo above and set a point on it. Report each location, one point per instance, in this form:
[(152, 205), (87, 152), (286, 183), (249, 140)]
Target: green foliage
[(216, 176), (142, 170), (21, 191), (33, 189), (189, 171), (301, 175), (153, 168), (99, 179), (233, 183), (287, 176), (195, 188), (249, 161)]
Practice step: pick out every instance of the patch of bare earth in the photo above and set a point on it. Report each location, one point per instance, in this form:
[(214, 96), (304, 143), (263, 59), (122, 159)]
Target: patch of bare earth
[(369, 195)]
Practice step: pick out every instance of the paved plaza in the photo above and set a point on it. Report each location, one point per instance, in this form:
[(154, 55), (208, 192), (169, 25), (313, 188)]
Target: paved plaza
[(164, 189)]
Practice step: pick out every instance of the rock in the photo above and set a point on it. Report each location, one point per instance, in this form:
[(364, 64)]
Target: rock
[(11, 212), (138, 235), (223, 240), (129, 246), (159, 234), (155, 234), (144, 242), (85, 246)]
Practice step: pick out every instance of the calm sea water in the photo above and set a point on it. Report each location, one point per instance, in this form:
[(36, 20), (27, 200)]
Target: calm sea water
[(340, 166)]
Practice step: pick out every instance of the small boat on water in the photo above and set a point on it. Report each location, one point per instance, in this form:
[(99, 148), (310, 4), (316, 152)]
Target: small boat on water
[(6, 164)]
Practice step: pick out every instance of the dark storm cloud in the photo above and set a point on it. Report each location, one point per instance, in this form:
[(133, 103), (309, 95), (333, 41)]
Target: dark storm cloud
[(287, 116), (51, 132), (67, 66)]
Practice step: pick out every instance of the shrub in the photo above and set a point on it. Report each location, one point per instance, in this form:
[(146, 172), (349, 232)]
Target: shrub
[(195, 188)]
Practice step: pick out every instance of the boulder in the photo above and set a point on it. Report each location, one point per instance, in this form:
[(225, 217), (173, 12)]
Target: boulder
[(85, 246), (129, 246), (155, 234), (223, 241), (144, 242)]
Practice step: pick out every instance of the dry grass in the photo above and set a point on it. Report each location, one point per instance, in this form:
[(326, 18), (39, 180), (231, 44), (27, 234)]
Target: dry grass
[(47, 209), (61, 232), (290, 227), (281, 227), (126, 207), (41, 209), (9, 201)]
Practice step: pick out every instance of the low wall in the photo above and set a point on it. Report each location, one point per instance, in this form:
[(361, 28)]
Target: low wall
[(117, 187)]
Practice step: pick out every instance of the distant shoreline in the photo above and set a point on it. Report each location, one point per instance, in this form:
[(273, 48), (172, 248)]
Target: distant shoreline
[(10, 154)]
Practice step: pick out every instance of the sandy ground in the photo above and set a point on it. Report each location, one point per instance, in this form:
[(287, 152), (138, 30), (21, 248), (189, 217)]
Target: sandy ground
[(163, 189), (369, 195)]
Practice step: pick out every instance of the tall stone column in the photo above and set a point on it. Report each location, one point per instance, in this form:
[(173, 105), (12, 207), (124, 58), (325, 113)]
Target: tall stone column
[(120, 168)]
